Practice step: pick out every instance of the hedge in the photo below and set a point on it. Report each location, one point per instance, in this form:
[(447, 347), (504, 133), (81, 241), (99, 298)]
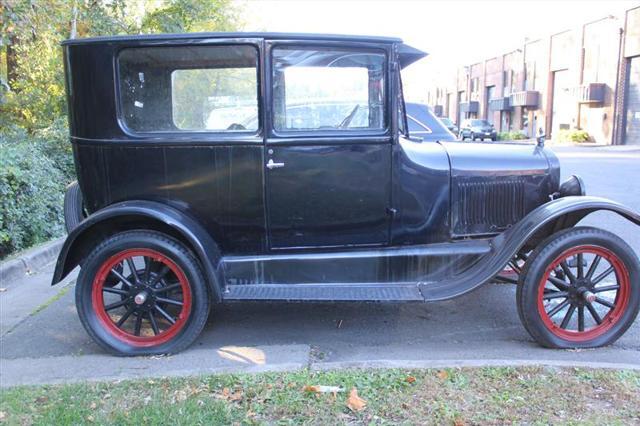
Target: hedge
[(31, 189)]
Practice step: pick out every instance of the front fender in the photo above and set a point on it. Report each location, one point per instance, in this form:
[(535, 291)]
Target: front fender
[(546, 219), (84, 236)]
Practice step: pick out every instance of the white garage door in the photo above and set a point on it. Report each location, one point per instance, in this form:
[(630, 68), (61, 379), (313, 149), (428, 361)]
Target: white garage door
[(632, 133)]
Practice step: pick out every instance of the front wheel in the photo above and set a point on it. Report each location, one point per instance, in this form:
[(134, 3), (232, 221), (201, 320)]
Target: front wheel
[(579, 289), (142, 293)]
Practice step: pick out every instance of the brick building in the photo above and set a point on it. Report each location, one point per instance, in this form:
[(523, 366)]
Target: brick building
[(584, 78)]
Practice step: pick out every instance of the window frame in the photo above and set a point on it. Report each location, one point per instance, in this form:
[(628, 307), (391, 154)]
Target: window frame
[(313, 134), (191, 135)]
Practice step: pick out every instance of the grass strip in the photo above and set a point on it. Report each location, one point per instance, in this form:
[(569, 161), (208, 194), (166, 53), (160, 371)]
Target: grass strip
[(535, 395)]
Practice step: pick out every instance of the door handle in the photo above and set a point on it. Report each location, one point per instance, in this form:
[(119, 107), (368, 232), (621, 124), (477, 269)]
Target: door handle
[(272, 165)]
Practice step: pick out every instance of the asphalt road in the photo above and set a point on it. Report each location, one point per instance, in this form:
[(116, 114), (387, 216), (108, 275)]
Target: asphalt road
[(483, 325)]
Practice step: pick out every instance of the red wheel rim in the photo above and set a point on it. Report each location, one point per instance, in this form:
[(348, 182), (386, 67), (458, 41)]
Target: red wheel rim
[(150, 297), (574, 301)]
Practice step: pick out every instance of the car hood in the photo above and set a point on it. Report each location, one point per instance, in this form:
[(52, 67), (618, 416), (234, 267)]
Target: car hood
[(495, 184), (499, 159)]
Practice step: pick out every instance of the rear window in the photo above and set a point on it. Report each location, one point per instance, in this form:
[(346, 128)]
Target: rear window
[(189, 88), (479, 123)]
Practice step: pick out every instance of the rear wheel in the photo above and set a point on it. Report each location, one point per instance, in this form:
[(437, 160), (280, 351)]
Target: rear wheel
[(579, 289), (142, 293)]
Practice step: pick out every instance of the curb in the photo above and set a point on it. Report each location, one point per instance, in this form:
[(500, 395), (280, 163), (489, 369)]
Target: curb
[(468, 363), (29, 261), (76, 369)]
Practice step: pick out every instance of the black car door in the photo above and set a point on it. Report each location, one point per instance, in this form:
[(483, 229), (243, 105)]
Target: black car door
[(328, 156)]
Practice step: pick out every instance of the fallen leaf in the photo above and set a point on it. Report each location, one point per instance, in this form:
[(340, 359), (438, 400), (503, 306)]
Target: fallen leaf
[(179, 396), (236, 396), (443, 375), (405, 405), (410, 379), (42, 399), (458, 422), (322, 389), (3, 415), (90, 418), (339, 324), (93, 405), (354, 402)]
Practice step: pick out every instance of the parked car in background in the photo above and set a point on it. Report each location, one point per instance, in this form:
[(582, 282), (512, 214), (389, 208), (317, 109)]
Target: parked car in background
[(450, 125), (422, 122), (473, 129)]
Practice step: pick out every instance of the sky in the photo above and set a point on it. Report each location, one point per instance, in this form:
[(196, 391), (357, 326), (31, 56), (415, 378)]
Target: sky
[(454, 32)]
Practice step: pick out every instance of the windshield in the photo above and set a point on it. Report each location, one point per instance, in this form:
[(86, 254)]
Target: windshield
[(446, 121), (480, 123)]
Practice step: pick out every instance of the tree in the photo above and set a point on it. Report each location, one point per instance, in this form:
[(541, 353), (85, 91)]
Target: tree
[(179, 16), (33, 29)]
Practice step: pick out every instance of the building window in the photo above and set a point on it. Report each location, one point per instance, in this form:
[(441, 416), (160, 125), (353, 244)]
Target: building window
[(505, 83), (530, 76)]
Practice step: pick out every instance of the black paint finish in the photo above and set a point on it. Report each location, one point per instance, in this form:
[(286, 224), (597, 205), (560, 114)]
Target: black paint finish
[(345, 213)]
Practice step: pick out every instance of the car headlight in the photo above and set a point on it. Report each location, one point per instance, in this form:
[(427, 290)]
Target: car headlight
[(572, 186)]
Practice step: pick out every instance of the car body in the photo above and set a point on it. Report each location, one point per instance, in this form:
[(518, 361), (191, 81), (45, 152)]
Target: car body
[(423, 123), (474, 128), (449, 124), (313, 190)]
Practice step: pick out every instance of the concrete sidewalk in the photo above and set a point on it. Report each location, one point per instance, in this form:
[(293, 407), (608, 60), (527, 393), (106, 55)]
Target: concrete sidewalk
[(21, 298), (42, 340)]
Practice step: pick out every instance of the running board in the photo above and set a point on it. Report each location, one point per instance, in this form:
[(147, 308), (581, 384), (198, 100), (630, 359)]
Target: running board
[(325, 292)]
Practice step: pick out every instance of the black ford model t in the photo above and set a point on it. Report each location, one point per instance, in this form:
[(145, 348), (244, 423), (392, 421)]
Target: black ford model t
[(237, 167)]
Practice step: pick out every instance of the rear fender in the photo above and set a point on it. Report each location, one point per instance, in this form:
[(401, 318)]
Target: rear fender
[(541, 222), (140, 214)]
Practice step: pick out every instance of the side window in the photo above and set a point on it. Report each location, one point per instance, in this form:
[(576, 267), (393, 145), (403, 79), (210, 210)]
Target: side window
[(189, 88), (319, 89)]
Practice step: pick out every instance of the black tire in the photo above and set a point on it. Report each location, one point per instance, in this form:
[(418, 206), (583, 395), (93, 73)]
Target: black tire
[(494, 138), (581, 292), (73, 206), (142, 295)]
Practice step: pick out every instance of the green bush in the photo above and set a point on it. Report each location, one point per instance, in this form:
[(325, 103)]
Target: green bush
[(511, 136), (573, 135), (31, 193)]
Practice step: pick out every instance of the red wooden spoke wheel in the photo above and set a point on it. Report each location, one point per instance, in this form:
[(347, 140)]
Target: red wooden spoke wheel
[(583, 293), (141, 297)]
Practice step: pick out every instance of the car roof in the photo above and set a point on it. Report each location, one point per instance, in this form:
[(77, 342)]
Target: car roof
[(231, 35), (407, 54)]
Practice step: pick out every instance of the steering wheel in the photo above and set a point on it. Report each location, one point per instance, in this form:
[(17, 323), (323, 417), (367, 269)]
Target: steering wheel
[(236, 126), (347, 120)]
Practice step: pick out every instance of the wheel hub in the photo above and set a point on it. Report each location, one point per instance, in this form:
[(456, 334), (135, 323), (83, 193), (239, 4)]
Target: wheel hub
[(141, 297)]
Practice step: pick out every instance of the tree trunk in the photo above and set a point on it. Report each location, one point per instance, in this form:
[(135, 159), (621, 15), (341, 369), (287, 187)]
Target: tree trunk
[(12, 61)]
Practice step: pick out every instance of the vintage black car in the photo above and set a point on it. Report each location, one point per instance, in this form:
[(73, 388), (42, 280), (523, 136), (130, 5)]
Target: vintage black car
[(260, 167)]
